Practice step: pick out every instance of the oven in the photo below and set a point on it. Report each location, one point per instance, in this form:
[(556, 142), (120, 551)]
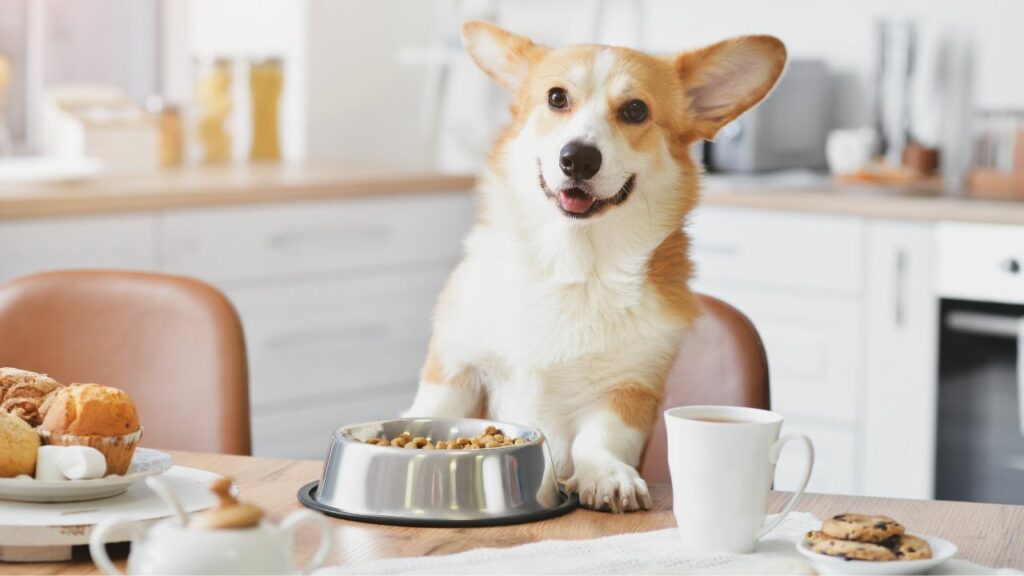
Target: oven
[(980, 426)]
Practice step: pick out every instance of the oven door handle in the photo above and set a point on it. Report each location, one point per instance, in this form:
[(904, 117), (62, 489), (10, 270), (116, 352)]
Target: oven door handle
[(1000, 327)]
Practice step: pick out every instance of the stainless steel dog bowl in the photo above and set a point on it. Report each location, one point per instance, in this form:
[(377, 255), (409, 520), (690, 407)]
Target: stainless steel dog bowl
[(485, 487)]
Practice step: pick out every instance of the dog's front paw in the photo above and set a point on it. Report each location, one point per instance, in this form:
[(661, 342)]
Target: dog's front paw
[(610, 487)]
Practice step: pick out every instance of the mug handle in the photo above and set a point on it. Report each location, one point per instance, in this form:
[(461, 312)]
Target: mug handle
[(98, 544), (776, 450), (291, 523)]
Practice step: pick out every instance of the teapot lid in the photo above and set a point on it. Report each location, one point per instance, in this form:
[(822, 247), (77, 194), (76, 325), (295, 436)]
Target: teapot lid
[(229, 513)]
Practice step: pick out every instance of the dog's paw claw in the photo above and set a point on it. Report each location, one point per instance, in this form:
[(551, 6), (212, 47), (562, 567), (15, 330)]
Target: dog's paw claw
[(610, 487)]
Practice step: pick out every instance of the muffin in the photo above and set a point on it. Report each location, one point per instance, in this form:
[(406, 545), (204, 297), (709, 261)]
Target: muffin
[(98, 416), (26, 395), (19, 445)]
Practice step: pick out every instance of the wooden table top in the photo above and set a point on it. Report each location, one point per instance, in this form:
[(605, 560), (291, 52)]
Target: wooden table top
[(988, 534)]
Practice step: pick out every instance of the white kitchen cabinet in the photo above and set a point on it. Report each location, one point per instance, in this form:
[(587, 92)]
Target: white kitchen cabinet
[(291, 240), (108, 241), (836, 462), (900, 386), (848, 314), (332, 352), (802, 252), (799, 278), (336, 298)]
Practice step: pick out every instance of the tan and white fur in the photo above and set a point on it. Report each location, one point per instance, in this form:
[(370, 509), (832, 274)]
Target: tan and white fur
[(570, 321)]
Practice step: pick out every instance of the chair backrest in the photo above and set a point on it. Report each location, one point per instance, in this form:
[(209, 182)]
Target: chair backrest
[(722, 361), (175, 344)]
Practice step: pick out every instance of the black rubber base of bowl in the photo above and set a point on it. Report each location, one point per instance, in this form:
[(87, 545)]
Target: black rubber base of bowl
[(307, 498)]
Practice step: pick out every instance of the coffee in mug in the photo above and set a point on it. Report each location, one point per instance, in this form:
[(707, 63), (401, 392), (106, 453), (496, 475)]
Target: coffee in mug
[(722, 461)]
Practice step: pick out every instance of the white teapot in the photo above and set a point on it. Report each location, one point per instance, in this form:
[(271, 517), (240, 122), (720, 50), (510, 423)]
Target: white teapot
[(230, 538)]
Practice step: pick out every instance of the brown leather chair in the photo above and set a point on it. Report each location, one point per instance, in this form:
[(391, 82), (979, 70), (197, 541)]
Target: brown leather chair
[(722, 361), (175, 344)]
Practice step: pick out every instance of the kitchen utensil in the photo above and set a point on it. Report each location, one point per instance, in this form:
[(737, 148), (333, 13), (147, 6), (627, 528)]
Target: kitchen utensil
[(942, 550), (722, 461), (145, 463), (389, 485), (230, 538)]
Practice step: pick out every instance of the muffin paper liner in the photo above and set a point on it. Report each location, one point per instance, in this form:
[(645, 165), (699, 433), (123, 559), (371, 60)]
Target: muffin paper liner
[(118, 450)]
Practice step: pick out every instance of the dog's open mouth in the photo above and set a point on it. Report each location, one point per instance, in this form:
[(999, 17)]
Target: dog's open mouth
[(576, 200)]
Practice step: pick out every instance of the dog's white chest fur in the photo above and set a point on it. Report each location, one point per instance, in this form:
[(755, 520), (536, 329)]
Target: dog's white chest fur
[(550, 335)]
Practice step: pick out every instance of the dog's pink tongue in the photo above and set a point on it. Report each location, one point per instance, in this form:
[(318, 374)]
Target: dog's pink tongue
[(575, 203)]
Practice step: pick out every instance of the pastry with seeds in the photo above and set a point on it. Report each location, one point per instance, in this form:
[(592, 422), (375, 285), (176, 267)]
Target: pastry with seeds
[(862, 528)]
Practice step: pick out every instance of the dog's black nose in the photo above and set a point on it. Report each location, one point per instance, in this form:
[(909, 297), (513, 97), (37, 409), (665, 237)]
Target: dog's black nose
[(580, 161)]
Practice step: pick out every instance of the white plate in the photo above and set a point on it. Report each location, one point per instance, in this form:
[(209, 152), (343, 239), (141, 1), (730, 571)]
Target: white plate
[(942, 550), (145, 463)]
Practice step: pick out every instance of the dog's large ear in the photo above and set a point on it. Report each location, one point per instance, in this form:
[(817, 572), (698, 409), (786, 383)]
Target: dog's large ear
[(503, 55), (723, 80)]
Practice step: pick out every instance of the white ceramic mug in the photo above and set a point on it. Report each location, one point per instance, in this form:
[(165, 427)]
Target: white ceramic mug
[(722, 473)]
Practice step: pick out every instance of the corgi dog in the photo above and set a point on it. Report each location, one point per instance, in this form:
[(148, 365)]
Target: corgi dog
[(570, 303)]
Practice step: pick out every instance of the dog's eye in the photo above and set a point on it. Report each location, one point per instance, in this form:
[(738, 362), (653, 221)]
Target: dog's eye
[(634, 111), (557, 98)]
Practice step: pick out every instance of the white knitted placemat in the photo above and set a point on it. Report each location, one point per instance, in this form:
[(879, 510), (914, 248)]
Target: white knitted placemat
[(656, 552)]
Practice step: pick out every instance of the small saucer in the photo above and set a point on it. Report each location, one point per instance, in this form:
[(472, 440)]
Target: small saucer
[(145, 463), (942, 550)]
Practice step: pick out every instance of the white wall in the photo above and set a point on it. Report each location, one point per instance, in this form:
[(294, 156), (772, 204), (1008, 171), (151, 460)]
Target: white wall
[(364, 104)]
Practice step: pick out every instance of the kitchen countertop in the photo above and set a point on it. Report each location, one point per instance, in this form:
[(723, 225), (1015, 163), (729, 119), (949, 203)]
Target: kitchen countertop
[(207, 186), (806, 192)]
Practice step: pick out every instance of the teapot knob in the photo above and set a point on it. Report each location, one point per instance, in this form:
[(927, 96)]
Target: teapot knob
[(222, 489), (229, 513)]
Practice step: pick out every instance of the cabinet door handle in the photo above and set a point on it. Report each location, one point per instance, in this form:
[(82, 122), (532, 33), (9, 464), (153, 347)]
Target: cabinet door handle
[(900, 294)]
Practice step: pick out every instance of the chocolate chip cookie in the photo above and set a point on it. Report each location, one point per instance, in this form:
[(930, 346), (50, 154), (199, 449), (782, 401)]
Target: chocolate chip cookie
[(862, 528), (815, 536), (911, 547), (853, 550)]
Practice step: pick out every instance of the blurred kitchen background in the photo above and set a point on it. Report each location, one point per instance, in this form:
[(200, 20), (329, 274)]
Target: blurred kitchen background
[(315, 159)]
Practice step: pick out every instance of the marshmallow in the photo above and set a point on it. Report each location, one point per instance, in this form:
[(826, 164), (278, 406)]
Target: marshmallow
[(82, 463), (48, 463)]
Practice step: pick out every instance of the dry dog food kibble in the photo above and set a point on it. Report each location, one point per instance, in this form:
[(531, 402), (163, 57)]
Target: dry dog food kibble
[(491, 438)]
